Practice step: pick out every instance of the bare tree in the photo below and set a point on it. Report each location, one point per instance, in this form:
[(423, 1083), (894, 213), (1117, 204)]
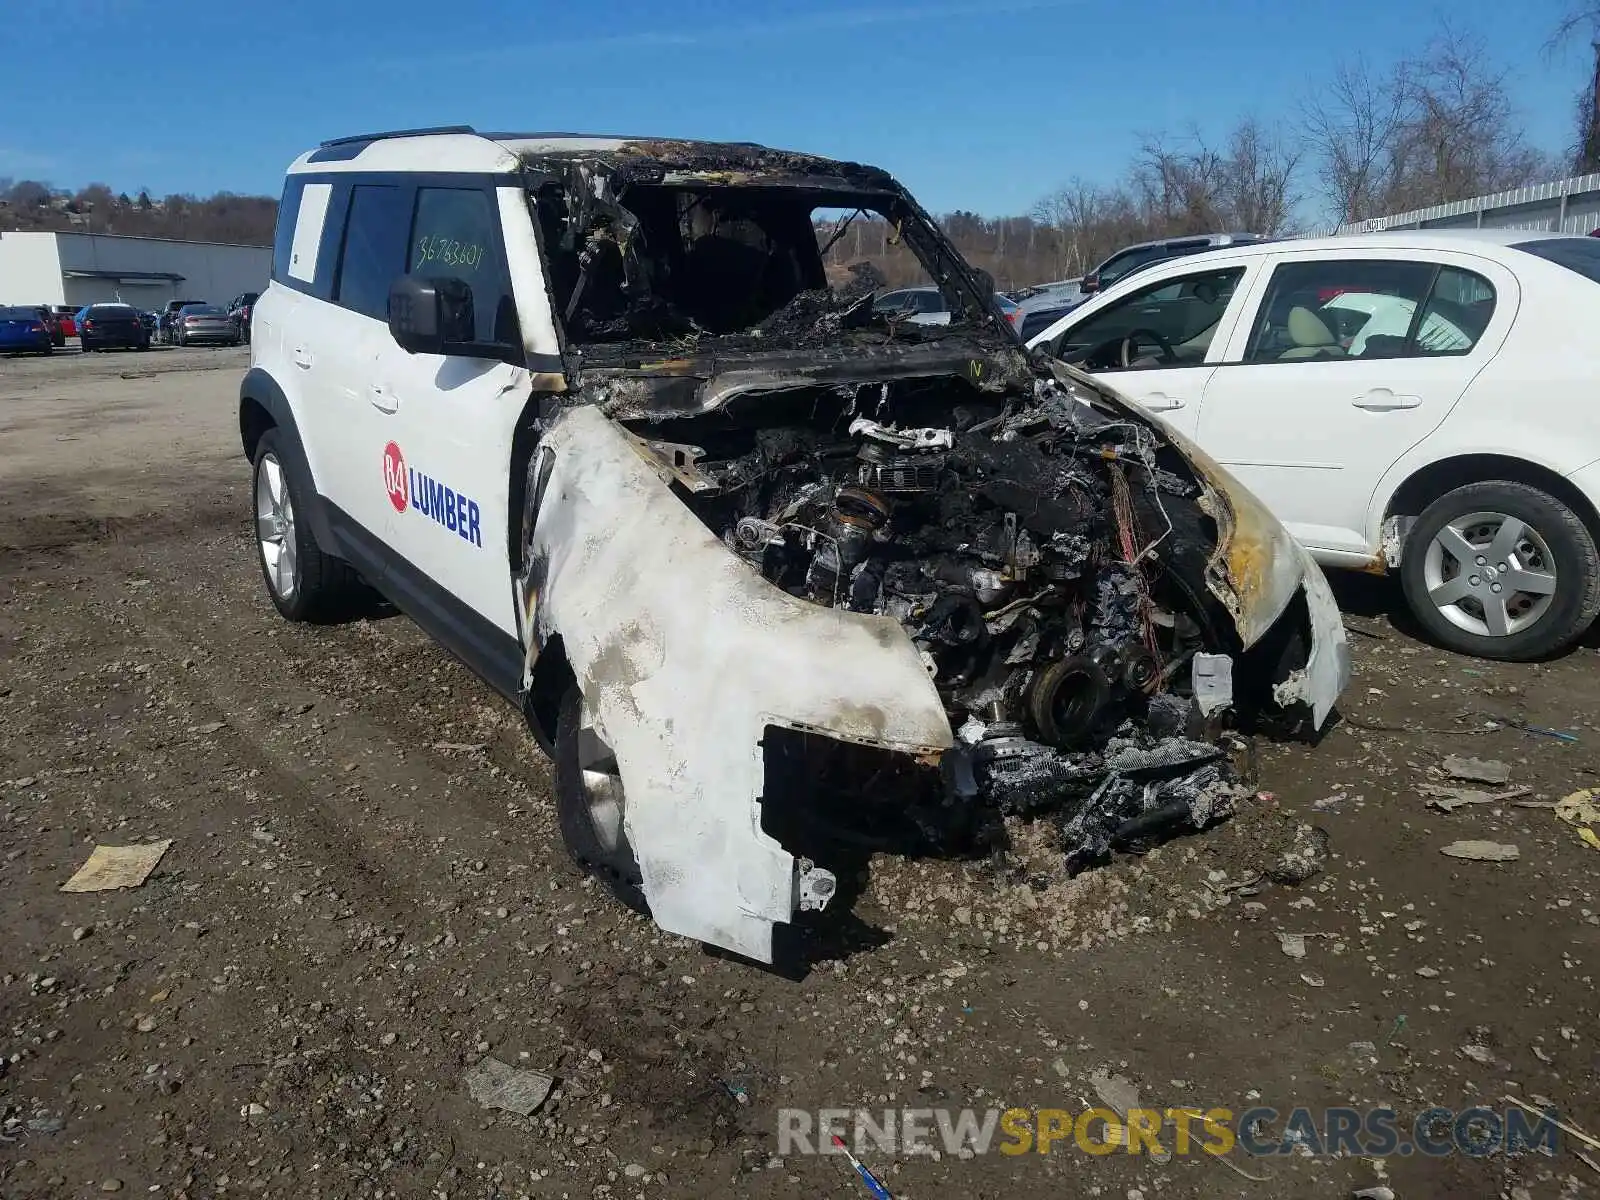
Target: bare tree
[(1437, 127), (1351, 129), (1462, 140), (1584, 21)]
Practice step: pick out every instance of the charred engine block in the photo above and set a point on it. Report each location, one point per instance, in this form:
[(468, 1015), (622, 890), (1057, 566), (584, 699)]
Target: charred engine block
[(1007, 548)]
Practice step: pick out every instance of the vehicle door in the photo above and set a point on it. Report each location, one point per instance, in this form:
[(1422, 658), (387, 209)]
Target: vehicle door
[(1347, 360), (1158, 344), (444, 456), (334, 347)]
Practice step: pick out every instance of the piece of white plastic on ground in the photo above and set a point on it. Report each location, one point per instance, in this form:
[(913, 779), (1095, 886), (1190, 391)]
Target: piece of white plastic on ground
[(1374, 1193), (518, 1090), (1479, 851), (1292, 944), (1477, 770), (1212, 679), (1448, 799), (1122, 1097), (113, 867)]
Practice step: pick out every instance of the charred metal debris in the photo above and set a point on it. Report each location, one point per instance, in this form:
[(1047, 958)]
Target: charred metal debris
[(1048, 556)]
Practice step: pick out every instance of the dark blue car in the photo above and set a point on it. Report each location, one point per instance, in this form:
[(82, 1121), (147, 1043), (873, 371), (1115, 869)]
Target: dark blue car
[(22, 329)]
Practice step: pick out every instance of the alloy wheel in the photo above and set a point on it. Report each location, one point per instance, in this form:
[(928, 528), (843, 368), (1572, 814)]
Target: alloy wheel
[(1490, 574), (275, 527)]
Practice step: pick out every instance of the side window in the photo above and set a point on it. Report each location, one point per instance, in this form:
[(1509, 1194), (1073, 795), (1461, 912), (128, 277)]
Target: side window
[(1165, 324), (1456, 314), (309, 217), (283, 235), (374, 249), (1338, 309), (927, 302), (455, 235)]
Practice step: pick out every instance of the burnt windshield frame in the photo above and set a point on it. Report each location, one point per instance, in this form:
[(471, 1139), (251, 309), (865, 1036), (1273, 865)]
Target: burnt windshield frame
[(607, 185)]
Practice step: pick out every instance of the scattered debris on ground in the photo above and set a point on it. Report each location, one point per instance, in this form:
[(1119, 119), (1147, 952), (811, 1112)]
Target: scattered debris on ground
[(518, 1090), (1477, 770), (1481, 851), (112, 867)]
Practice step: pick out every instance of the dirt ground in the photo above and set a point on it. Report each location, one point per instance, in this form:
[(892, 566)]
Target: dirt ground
[(366, 893)]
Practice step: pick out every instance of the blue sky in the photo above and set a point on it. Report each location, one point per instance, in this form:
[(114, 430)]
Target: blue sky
[(977, 105)]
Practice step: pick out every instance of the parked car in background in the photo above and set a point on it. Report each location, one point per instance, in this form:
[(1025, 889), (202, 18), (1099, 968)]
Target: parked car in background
[(23, 330), (204, 325), (111, 327), (925, 305), (239, 313), (1034, 321), (1145, 254), (66, 318), (51, 322), (151, 322), (165, 319), (1410, 400)]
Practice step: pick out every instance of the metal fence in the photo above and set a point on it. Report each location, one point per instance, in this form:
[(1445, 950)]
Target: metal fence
[(1564, 206)]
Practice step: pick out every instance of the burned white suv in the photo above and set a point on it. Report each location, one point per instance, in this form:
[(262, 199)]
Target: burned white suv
[(769, 573)]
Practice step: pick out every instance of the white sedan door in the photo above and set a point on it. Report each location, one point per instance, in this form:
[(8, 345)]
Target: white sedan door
[(1348, 360), (1157, 344)]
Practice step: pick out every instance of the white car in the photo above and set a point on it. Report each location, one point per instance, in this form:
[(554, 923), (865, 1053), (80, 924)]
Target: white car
[(1411, 400), (771, 576)]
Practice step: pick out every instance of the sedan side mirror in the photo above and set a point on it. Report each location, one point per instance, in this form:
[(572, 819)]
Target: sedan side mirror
[(1089, 284), (427, 316)]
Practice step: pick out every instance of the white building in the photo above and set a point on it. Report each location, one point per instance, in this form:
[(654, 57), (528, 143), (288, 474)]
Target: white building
[(83, 268)]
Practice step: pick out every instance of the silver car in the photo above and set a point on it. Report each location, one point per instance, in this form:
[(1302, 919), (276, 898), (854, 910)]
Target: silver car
[(204, 325)]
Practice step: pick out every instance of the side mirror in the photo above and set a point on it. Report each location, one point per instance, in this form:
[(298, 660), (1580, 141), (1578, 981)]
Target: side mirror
[(1089, 284), (427, 316)]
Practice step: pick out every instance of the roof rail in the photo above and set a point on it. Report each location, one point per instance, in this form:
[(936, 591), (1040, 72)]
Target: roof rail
[(397, 133)]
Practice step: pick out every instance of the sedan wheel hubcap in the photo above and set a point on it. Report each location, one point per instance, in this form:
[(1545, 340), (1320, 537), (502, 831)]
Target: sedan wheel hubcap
[(275, 527), (1490, 574)]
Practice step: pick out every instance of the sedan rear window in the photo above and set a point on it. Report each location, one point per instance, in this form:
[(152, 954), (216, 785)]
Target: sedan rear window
[(18, 314), (1575, 254)]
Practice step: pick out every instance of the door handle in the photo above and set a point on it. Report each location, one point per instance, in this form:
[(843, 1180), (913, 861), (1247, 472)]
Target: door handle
[(302, 358), (383, 399), (1385, 400), (1160, 402)]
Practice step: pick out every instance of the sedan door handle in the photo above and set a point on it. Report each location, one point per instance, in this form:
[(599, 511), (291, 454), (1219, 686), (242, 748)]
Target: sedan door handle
[(302, 358), (1160, 402), (1385, 400), (382, 399)]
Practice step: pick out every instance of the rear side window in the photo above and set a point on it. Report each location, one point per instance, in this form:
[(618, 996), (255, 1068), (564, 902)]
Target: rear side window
[(455, 235), (1342, 309), (283, 236), (374, 249), (307, 240), (1575, 254)]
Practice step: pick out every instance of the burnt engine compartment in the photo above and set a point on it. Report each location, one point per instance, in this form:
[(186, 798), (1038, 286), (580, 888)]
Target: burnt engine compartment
[(1046, 560)]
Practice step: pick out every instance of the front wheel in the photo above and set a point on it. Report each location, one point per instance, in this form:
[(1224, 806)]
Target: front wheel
[(591, 803), (1501, 570)]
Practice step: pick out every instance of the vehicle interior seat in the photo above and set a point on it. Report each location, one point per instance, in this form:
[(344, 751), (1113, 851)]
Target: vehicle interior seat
[(1311, 337)]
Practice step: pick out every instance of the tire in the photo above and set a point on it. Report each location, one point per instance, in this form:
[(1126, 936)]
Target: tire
[(614, 865), (1536, 538), (311, 584)]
